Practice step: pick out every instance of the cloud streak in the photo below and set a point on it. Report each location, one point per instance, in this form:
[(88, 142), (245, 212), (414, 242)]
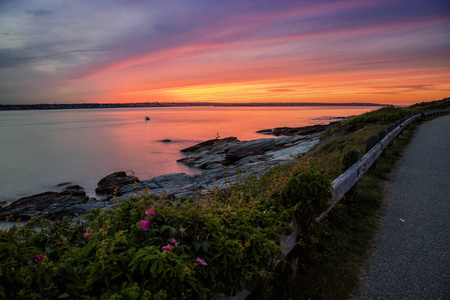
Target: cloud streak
[(116, 51)]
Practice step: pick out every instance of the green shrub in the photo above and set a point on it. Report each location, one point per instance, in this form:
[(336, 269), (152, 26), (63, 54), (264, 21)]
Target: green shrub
[(307, 195), (146, 248)]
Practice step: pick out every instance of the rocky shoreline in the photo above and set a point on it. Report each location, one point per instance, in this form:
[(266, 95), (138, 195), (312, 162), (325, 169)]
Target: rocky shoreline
[(221, 161)]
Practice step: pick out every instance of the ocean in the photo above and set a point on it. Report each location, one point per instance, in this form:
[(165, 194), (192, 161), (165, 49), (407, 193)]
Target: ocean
[(42, 149)]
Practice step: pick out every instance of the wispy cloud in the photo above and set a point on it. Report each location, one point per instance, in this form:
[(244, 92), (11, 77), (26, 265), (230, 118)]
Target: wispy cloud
[(40, 12)]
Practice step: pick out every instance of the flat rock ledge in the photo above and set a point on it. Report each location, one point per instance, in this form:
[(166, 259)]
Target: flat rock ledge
[(52, 205), (221, 161), (290, 131)]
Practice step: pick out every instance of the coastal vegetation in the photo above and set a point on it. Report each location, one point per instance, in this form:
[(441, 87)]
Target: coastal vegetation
[(151, 247)]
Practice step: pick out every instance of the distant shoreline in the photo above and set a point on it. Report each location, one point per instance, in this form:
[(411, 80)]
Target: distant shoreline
[(166, 104)]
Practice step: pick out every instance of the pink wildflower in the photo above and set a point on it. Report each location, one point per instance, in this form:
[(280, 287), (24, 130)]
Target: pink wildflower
[(77, 245), (201, 261), (150, 213), (145, 225), (87, 235), (167, 248), (38, 258), (174, 241)]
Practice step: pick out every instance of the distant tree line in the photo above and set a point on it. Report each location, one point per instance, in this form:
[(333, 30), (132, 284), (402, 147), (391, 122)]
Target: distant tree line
[(162, 104)]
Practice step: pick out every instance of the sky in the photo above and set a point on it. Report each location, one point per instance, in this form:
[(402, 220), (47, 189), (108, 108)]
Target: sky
[(111, 51)]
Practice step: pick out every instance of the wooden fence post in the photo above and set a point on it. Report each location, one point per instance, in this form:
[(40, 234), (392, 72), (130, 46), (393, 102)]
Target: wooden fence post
[(381, 136), (350, 158), (371, 142), (389, 129)]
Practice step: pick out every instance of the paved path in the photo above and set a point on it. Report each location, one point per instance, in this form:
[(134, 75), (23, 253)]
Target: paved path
[(411, 255)]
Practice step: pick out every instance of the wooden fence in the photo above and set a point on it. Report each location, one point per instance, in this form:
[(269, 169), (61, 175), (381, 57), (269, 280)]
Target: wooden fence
[(349, 178)]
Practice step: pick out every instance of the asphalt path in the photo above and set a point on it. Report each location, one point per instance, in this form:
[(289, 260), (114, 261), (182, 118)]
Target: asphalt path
[(411, 254)]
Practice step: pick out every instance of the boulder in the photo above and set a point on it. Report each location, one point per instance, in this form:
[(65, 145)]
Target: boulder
[(113, 182), (210, 145), (215, 174), (51, 205), (202, 155), (171, 185), (250, 148), (258, 147)]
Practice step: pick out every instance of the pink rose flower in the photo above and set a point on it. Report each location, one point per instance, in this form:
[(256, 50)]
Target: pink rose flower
[(174, 241), (145, 225), (150, 213), (38, 258), (201, 261), (167, 248)]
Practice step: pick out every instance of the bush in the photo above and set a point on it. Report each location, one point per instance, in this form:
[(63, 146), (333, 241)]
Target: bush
[(146, 248), (307, 195)]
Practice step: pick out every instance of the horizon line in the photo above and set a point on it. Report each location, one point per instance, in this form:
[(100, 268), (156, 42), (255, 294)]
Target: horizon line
[(178, 104)]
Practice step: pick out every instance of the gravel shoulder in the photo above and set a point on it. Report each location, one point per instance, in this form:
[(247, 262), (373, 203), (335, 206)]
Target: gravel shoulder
[(410, 258)]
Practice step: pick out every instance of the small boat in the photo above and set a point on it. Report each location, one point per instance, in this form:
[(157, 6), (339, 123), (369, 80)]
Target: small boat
[(147, 118)]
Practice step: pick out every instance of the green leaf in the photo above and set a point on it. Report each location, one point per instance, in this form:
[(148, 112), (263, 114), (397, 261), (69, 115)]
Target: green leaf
[(197, 246), (153, 269), (205, 246), (62, 296), (92, 278), (166, 227), (192, 281), (117, 274)]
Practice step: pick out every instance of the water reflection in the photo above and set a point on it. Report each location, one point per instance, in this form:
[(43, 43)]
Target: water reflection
[(41, 149)]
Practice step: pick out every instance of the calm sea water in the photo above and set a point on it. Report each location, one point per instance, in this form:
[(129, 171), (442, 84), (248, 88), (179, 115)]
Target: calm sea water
[(41, 149)]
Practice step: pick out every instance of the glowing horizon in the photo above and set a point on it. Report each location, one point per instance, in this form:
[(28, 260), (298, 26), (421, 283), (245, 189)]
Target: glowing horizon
[(388, 52)]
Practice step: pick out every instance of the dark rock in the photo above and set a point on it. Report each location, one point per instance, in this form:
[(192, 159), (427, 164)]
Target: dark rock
[(215, 174), (74, 190), (258, 147), (250, 148), (51, 205), (113, 182), (166, 141), (289, 131), (172, 180), (209, 144), (63, 184), (230, 151), (172, 185), (206, 153)]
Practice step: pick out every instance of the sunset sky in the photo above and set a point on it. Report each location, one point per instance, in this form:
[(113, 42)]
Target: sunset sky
[(54, 51)]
